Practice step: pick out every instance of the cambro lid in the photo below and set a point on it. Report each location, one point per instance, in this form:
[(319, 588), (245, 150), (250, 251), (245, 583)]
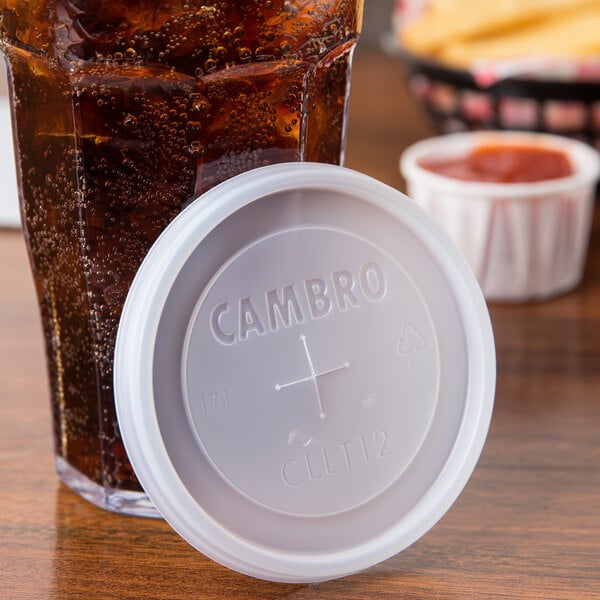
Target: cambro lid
[(304, 373)]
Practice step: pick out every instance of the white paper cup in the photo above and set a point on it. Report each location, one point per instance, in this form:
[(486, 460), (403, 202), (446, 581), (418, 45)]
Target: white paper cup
[(9, 204), (524, 241)]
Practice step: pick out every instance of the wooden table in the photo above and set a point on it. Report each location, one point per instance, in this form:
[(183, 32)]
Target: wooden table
[(526, 526)]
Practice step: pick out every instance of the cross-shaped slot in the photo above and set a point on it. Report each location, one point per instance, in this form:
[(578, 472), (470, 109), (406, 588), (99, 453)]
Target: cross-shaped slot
[(314, 376)]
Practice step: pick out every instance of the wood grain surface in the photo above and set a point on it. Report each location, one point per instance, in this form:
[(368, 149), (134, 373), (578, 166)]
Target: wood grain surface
[(526, 526)]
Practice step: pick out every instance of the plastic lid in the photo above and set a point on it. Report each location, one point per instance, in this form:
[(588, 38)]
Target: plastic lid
[(304, 373)]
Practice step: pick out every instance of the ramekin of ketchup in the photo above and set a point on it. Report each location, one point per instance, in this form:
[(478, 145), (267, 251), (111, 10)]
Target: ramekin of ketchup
[(518, 205), (504, 163)]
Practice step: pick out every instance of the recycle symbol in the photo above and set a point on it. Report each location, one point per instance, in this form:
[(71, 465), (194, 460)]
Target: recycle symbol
[(411, 340)]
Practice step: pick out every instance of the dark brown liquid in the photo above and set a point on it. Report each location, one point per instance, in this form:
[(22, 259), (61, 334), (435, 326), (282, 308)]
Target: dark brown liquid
[(126, 112)]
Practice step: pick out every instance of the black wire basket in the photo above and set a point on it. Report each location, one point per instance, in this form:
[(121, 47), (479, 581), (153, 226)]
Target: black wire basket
[(454, 101)]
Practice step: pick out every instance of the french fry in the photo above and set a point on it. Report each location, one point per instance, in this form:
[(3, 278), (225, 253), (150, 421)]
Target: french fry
[(575, 35), (446, 22)]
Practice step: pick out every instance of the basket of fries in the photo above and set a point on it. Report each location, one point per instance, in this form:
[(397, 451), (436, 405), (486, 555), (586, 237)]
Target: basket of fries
[(513, 65)]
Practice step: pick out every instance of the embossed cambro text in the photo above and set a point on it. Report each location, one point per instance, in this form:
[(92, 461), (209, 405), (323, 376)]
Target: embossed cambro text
[(292, 304)]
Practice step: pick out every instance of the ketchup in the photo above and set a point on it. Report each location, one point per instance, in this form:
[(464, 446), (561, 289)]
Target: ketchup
[(504, 164)]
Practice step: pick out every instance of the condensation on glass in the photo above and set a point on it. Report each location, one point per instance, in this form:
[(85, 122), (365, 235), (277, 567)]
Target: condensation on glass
[(124, 113)]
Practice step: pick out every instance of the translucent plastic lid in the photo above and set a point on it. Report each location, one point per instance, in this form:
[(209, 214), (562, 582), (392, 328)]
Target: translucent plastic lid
[(304, 373)]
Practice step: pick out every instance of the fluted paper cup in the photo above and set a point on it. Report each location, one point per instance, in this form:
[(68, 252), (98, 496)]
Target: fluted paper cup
[(524, 241), (9, 199)]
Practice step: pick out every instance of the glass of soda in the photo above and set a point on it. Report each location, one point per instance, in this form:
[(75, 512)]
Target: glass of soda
[(124, 113)]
